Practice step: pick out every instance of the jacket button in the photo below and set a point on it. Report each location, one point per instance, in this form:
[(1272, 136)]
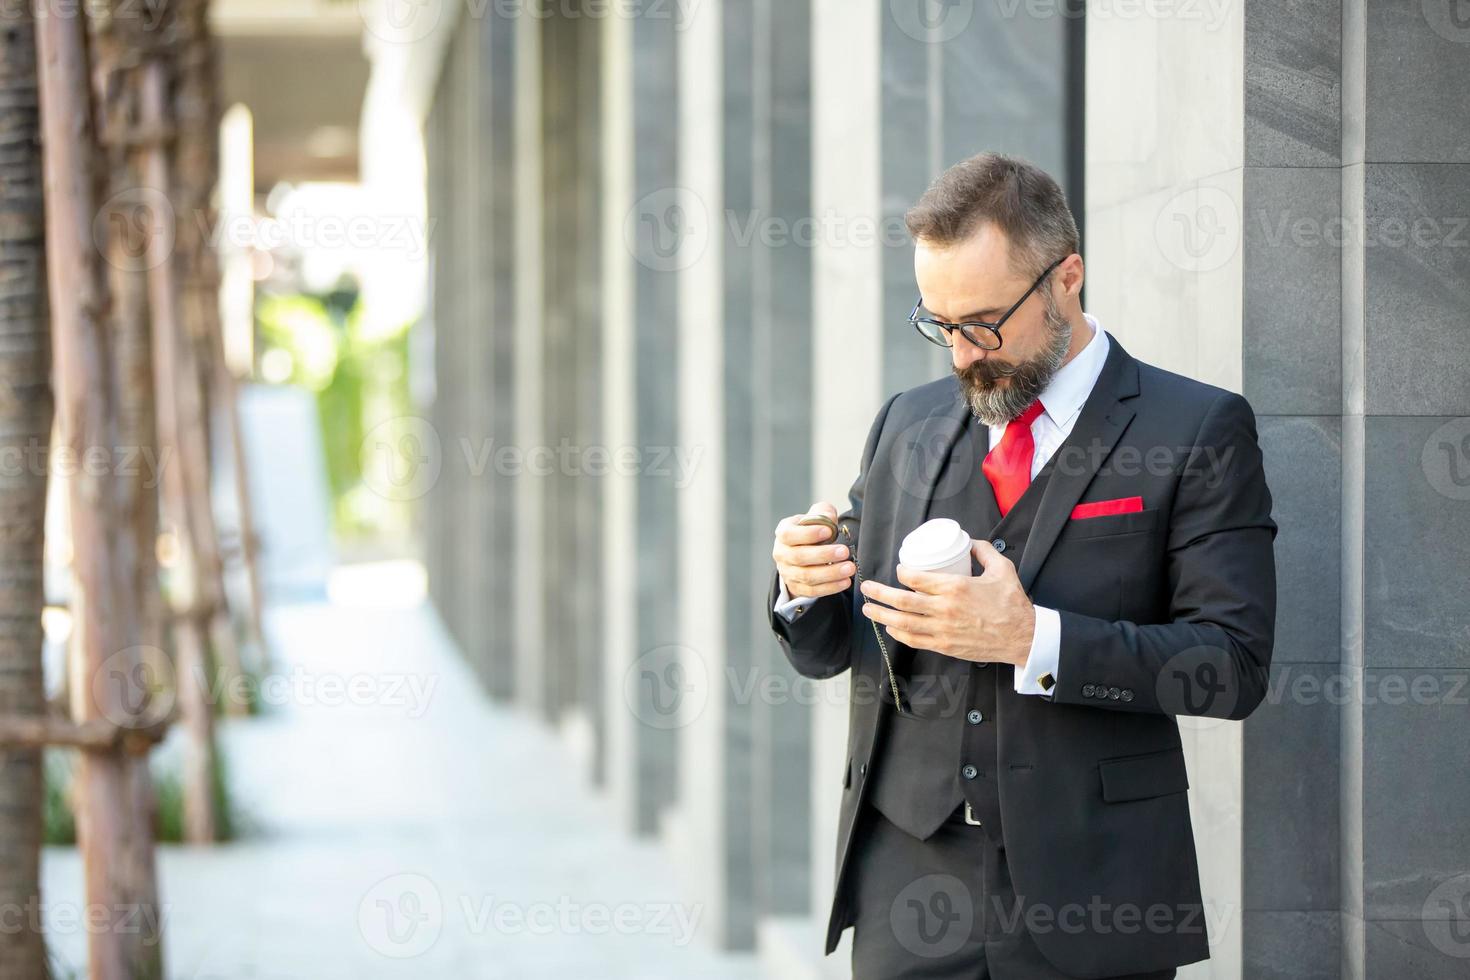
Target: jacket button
[(1088, 690), (1127, 694), (974, 717), (862, 769), (1102, 691), (1114, 693), (999, 544), (969, 772)]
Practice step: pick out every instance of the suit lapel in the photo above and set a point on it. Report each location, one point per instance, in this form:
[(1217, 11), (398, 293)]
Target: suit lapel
[(927, 451), (1105, 415)]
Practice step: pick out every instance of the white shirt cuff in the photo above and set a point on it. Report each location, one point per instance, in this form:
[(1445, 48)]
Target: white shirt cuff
[(787, 607), (1046, 650)]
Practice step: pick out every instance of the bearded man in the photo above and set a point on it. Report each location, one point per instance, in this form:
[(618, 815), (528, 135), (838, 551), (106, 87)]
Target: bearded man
[(1015, 791)]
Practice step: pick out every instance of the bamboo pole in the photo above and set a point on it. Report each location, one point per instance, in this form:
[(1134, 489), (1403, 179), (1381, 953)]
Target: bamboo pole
[(87, 427), (185, 490)]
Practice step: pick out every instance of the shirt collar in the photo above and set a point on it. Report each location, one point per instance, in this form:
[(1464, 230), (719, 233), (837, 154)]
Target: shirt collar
[(1068, 389)]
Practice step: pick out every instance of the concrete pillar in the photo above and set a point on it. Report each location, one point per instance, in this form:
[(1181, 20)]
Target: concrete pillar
[(1405, 875), (496, 329), (1165, 168), (529, 582), (780, 474), (642, 683), (1291, 373)]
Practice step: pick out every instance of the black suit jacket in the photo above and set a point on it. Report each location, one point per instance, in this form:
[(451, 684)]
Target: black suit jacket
[(1166, 611)]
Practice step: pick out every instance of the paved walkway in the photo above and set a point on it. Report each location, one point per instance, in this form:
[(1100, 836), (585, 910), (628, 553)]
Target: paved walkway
[(402, 826)]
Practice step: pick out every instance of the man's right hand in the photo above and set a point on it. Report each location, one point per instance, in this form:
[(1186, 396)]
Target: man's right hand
[(807, 567)]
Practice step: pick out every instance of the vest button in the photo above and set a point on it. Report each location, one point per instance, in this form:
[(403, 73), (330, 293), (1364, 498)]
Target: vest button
[(999, 544), (974, 717), (969, 772)]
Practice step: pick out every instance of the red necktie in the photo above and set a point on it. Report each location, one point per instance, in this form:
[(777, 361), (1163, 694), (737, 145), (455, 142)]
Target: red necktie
[(1008, 465)]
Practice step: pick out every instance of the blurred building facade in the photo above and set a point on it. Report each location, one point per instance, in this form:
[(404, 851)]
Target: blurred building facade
[(667, 278)]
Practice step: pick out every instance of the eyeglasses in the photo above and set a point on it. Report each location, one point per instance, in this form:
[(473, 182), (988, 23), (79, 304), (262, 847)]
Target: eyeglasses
[(984, 335)]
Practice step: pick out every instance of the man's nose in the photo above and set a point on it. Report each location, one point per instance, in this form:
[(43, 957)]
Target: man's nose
[(965, 353)]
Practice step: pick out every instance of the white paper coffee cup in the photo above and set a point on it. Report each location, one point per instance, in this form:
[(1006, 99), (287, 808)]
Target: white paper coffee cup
[(940, 545)]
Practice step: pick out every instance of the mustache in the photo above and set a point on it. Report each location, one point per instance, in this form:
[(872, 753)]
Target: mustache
[(982, 371)]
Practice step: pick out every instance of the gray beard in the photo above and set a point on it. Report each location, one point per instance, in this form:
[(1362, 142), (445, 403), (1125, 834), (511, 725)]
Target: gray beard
[(995, 405)]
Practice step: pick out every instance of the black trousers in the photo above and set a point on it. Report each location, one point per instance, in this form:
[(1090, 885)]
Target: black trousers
[(940, 908)]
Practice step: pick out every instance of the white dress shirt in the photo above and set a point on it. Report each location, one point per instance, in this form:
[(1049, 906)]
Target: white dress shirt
[(1061, 401)]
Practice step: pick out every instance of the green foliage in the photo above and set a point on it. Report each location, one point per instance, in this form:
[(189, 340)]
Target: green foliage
[(59, 823), (60, 818), (360, 380)]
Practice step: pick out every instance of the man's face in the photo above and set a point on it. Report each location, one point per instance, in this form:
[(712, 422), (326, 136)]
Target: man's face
[(974, 280)]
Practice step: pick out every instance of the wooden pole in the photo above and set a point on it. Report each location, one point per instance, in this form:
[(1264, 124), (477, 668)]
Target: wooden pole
[(86, 402), (194, 174), (186, 489), (120, 38), (25, 427)]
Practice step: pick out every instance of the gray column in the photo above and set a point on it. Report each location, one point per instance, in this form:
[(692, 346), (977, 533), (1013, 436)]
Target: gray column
[(528, 583), (496, 328), (1405, 876), (780, 474), (1291, 373), (640, 345)]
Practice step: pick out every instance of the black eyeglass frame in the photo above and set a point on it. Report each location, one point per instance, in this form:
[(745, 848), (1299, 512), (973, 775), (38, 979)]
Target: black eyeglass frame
[(965, 327)]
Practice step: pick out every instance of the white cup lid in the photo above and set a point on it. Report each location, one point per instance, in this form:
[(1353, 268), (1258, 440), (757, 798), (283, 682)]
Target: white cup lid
[(934, 544)]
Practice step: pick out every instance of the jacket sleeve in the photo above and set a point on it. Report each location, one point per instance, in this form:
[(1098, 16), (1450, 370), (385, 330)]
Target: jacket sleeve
[(818, 641), (1213, 657)]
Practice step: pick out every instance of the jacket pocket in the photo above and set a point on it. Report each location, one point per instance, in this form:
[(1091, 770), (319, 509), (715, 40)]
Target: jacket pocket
[(1111, 524), (1138, 777), (847, 774)]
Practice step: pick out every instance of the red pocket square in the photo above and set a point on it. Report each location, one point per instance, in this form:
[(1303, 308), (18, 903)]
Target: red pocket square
[(1102, 508)]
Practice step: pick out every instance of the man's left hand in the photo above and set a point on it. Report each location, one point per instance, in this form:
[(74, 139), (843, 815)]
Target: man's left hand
[(985, 618)]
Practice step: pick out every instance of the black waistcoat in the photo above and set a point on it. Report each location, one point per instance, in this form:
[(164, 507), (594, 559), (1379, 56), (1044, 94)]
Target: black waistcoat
[(942, 751)]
